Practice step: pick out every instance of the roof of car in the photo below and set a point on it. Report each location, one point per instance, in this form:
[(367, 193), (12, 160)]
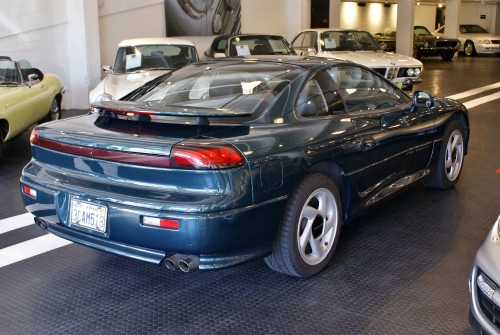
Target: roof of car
[(155, 41), (242, 35), (331, 29)]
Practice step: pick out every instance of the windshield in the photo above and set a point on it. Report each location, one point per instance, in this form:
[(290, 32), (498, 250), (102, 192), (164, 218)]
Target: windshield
[(260, 45), (348, 41), (472, 29), (153, 57), (421, 31), (241, 87), (9, 75)]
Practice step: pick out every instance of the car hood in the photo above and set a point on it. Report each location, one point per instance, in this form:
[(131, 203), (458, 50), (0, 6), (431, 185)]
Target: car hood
[(119, 85), (374, 59)]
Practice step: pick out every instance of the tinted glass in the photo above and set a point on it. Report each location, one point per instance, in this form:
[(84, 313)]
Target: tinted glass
[(347, 40), (472, 29), (241, 87), (421, 31), (260, 45), (147, 57), (364, 91), (26, 69), (8, 73)]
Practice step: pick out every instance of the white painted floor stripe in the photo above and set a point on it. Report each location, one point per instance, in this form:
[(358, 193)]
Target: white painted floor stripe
[(16, 222), (30, 248), (479, 101), (474, 91)]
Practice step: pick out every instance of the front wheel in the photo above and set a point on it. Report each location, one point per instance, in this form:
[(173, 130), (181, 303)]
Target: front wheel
[(451, 158), (469, 49), (54, 111), (447, 56), (309, 229)]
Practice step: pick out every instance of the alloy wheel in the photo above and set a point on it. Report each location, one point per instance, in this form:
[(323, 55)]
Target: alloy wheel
[(454, 155)]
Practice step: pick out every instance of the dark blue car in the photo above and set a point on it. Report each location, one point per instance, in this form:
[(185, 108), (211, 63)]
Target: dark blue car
[(224, 162)]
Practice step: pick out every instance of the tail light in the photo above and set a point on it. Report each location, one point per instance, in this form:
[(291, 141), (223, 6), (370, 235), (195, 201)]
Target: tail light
[(204, 155), (34, 136)]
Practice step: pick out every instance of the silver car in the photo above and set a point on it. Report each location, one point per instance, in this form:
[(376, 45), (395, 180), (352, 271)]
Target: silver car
[(484, 285)]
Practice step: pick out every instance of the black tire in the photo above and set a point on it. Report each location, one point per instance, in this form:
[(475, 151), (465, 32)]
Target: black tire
[(447, 56), (497, 54), (54, 111), (1, 144), (469, 49), (446, 177), (416, 53), (288, 256)]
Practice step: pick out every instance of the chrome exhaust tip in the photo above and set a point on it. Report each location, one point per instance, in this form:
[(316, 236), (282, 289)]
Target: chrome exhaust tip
[(40, 223), (189, 263), (172, 262)]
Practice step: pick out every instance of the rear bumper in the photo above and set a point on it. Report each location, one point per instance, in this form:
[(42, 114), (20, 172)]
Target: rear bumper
[(220, 239)]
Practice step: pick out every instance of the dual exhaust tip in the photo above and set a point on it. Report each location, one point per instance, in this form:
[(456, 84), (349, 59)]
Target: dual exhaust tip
[(185, 263)]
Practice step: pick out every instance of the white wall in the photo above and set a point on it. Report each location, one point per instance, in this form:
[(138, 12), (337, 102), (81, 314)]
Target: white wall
[(425, 16), (123, 19), (56, 37), (373, 17)]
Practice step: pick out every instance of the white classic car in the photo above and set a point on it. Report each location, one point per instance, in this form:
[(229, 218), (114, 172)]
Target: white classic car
[(360, 47), (475, 39), (139, 61)]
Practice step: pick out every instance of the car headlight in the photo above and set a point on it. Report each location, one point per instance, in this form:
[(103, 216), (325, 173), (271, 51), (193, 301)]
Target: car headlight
[(410, 72), (417, 71), (484, 42), (104, 97)]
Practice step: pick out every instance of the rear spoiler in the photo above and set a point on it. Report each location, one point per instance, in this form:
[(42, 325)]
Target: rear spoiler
[(143, 109)]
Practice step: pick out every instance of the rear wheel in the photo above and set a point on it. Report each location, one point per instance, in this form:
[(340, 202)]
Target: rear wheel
[(447, 56), (469, 49), (310, 228), (1, 144), (451, 158)]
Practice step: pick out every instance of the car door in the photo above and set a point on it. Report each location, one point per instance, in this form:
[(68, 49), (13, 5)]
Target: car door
[(397, 139), (38, 97)]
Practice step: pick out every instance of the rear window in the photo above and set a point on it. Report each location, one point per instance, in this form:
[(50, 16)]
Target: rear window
[(241, 87)]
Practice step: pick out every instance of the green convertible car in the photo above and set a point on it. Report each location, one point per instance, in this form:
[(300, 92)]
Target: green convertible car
[(27, 96)]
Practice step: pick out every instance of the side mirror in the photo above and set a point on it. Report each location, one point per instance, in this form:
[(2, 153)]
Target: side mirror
[(32, 77), (219, 55), (107, 69), (422, 99)]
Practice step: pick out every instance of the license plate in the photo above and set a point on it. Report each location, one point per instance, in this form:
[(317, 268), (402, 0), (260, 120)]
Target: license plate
[(89, 215)]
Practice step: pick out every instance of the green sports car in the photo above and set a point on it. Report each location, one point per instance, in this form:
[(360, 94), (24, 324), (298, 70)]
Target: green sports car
[(27, 96)]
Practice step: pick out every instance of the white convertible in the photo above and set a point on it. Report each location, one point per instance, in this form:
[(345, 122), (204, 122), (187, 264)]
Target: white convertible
[(139, 61), (360, 47), (475, 39)]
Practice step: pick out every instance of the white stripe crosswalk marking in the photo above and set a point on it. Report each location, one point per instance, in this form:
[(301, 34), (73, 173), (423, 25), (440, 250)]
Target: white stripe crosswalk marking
[(30, 248), (15, 222), (479, 101), (474, 91)]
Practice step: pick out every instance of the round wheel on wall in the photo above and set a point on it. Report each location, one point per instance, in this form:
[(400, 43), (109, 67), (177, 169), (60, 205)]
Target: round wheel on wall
[(469, 49), (451, 158), (447, 56), (309, 229)]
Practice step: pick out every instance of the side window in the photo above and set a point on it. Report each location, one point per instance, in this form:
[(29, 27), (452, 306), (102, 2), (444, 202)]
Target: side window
[(364, 91), (320, 98), (305, 40), (297, 42), (26, 69)]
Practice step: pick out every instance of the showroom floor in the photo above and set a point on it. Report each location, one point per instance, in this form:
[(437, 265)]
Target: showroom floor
[(401, 269)]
